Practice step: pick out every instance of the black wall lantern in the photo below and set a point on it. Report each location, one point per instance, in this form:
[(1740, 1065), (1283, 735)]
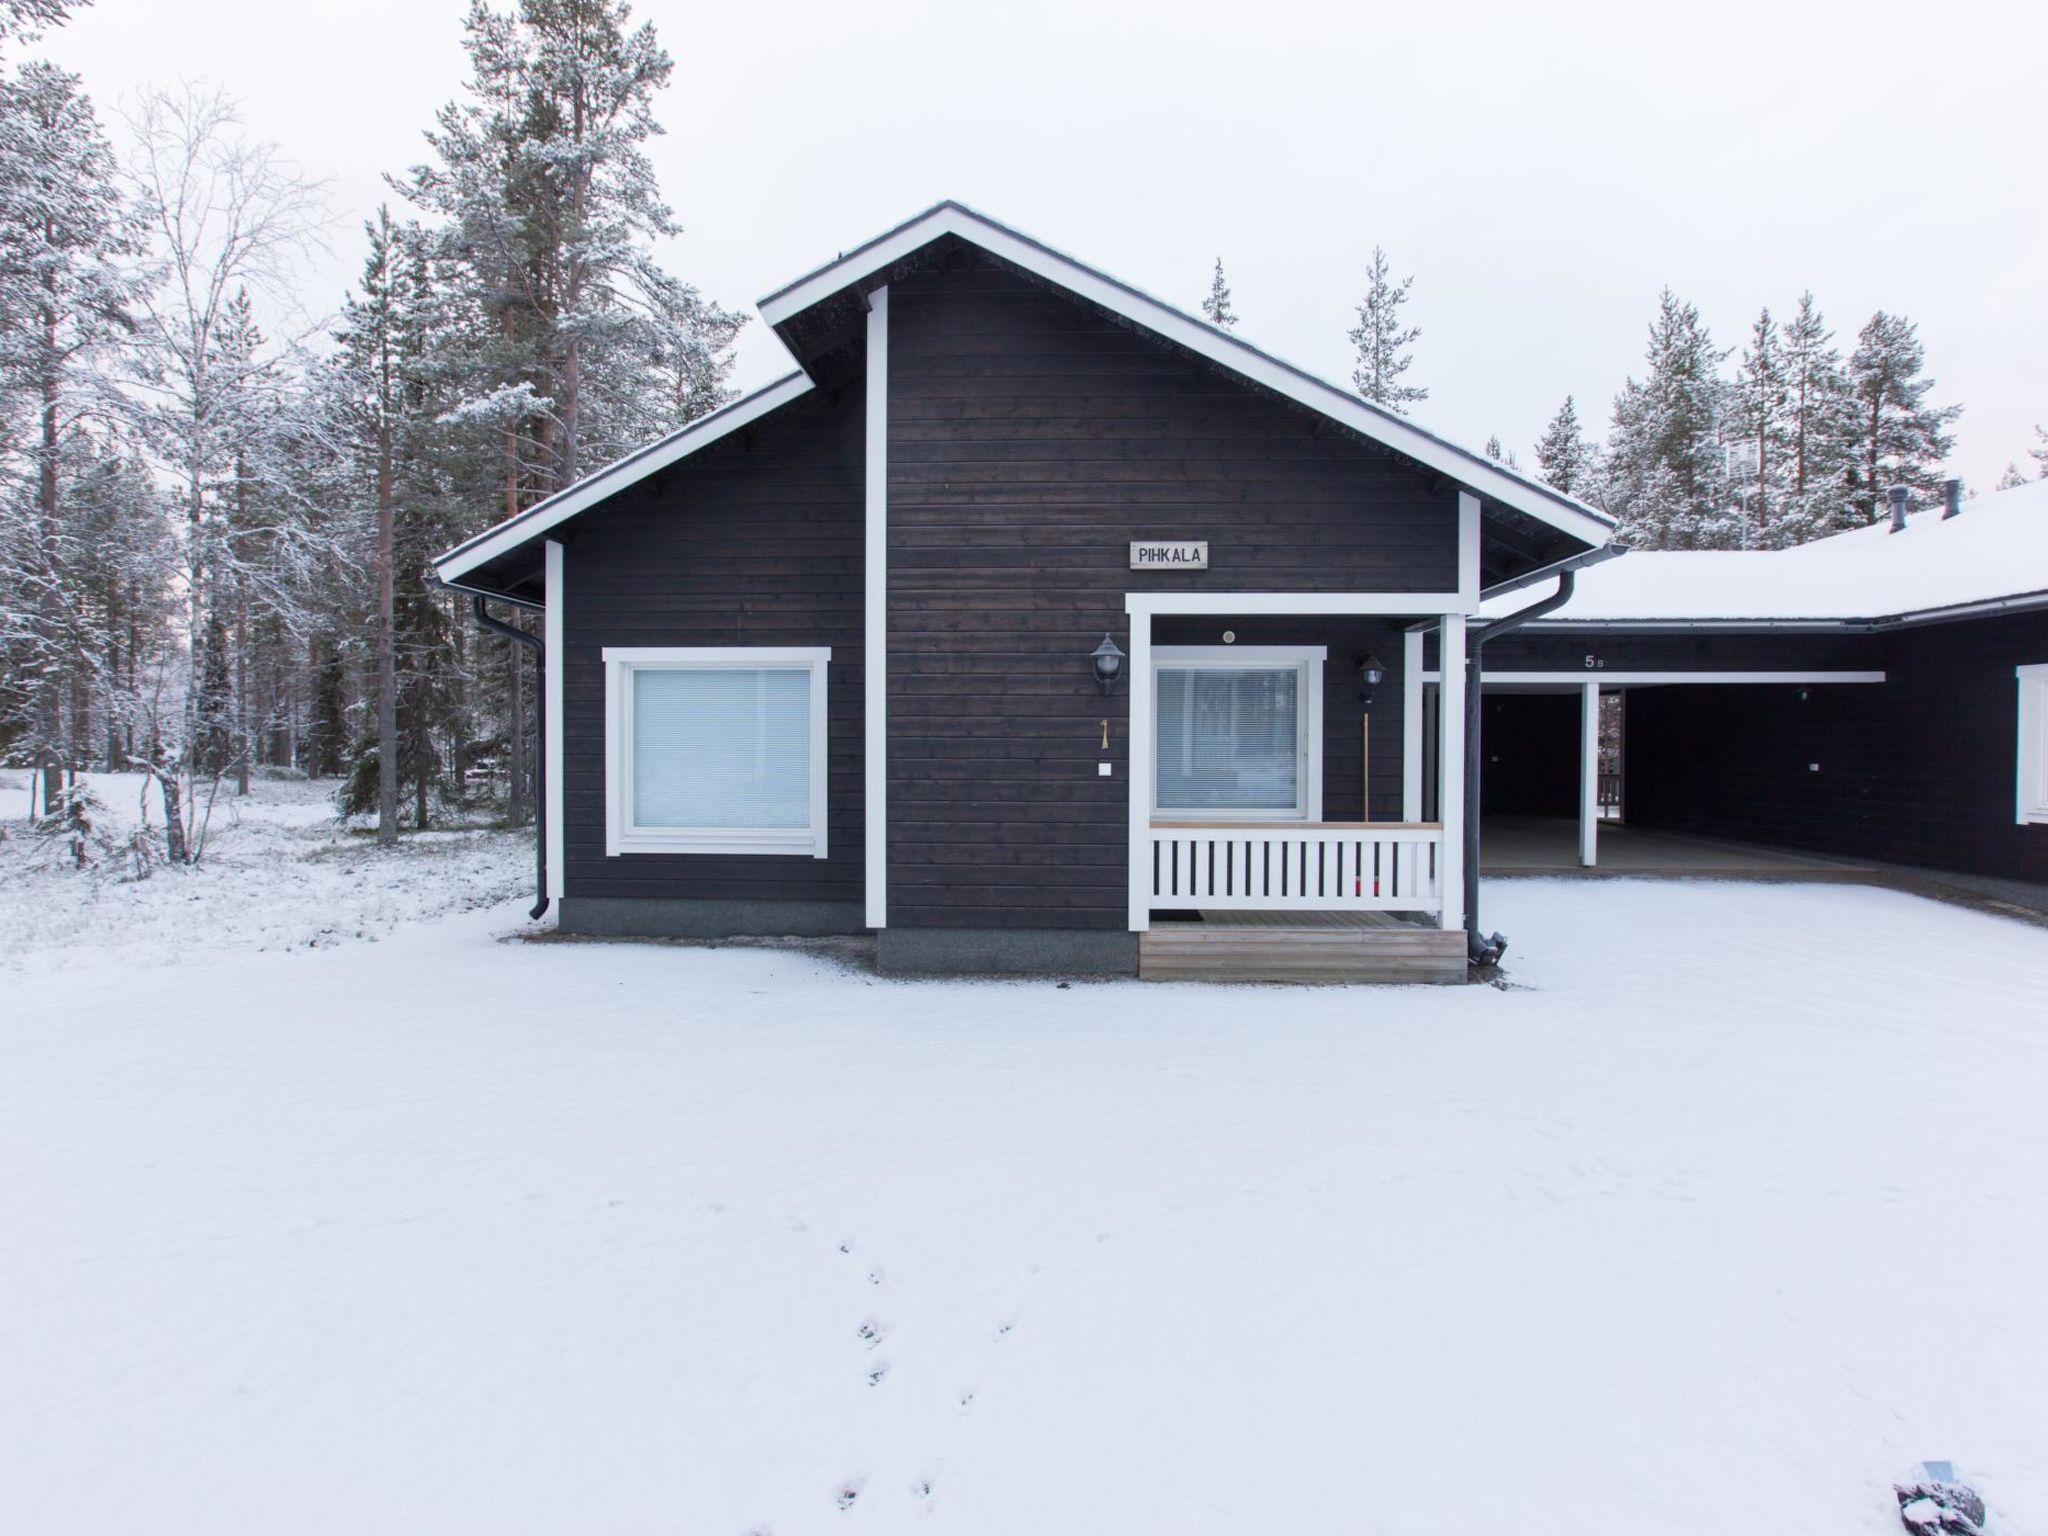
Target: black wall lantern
[(1370, 675), (1109, 663)]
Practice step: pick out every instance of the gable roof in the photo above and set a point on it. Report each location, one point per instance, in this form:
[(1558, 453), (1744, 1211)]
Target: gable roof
[(1490, 479), (1224, 348), (1993, 554)]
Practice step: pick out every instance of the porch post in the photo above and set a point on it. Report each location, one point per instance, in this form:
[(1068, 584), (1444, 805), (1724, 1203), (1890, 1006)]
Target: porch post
[(1139, 771), (1589, 775), (1450, 759), (1411, 726)]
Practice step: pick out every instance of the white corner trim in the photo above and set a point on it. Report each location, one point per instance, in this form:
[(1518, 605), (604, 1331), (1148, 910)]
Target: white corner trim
[(1589, 775), (1411, 725), (1309, 749), (875, 636), (1250, 604), (1469, 537), (622, 838), (556, 661), (1450, 767), (1138, 863), (508, 535), (1218, 346), (1618, 679), (2031, 801)]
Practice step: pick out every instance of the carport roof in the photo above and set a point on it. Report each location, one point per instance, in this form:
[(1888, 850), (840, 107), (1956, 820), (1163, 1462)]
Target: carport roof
[(1993, 555)]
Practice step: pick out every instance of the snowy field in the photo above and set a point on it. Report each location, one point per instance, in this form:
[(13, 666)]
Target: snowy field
[(1736, 1204), (278, 872)]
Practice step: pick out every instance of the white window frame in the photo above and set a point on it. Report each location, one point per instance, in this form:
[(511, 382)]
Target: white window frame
[(621, 836), (1308, 660), (2033, 748)]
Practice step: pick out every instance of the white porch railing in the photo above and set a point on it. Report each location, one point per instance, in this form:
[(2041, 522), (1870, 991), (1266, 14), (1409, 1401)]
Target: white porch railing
[(1292, 866)]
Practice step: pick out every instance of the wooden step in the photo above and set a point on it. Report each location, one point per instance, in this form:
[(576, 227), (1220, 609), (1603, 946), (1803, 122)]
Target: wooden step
[(1311, 950)]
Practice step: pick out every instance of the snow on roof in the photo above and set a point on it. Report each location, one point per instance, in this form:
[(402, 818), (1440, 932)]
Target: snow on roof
[(1996, 548)]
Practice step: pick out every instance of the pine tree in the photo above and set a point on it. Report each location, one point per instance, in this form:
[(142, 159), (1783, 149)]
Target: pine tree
[(1564, 460), (1815, 457), (2013, 478), (1666, 477), (64, 305), (1216, 307), (1382, 341), (1499, 455), (551, 205), (1758, 416), (1899, 438), (2040, 455)]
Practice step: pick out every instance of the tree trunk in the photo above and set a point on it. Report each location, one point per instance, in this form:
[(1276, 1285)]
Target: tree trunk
[(174, 819), (515, 746), (46, 500), (245, 735), (387, 664)]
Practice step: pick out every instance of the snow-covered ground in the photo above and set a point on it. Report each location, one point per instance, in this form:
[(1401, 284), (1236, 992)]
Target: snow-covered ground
[(279, 872), (1733, 1206)]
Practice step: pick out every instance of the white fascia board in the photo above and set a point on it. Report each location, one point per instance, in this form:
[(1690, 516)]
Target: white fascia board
[(1470, 469), (1250, 604), (1614, 679), (615, 477)]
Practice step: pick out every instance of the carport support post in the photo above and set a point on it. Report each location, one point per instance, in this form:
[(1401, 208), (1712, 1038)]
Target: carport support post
[(1589, 775), (1450, 760)]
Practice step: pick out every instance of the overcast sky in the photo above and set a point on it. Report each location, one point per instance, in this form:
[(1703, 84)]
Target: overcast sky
[(1542, 171)]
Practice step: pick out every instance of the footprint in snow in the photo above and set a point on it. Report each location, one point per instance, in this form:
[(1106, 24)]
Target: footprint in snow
[(871, 1332), (875, 1376), (1003, 1329), (848, 1492)]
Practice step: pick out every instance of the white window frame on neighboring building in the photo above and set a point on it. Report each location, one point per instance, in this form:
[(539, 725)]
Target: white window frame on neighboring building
[(2033, 753), (622, 836), (1308, 662)]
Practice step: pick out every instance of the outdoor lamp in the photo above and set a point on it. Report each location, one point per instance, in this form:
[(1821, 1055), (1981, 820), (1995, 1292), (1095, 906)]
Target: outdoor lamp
[(1109, 663), (1370, 675)]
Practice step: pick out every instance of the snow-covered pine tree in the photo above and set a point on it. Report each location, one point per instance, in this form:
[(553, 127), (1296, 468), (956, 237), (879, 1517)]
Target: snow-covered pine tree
[(1758, 412), (1564, 459), (2013, 478), (2039, 454), (1382, 341), (542, 177), (1666, 479), (65, 302), (1216, 307), (1812, 495), (1899, 438), (1499, 455), (24, 20)]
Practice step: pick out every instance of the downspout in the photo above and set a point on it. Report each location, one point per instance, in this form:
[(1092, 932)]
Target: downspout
[(540, 757), (1487, 951)]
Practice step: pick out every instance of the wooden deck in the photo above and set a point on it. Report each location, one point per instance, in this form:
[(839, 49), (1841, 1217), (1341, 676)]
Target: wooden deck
[(1322, 947)]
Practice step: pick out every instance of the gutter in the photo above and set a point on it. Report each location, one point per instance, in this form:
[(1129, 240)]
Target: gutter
[(540, 765), (1488, 950)]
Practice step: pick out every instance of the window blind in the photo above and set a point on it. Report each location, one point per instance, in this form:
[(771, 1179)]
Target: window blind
[(1229, 738), (721, 747)]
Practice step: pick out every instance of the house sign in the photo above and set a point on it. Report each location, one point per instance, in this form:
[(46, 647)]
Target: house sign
[(1169, 554)]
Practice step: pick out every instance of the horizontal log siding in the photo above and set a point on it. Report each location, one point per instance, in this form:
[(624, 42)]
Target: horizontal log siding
[(1030, 440), (755, 541), (1917, 770)]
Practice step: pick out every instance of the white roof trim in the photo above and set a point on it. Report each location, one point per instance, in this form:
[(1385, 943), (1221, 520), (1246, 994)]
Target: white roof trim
[(615, 477), (1470, 469)]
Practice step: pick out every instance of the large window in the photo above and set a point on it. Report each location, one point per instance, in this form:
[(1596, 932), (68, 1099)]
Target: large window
[(1239, 732), (715, 751), (2033, 765)]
